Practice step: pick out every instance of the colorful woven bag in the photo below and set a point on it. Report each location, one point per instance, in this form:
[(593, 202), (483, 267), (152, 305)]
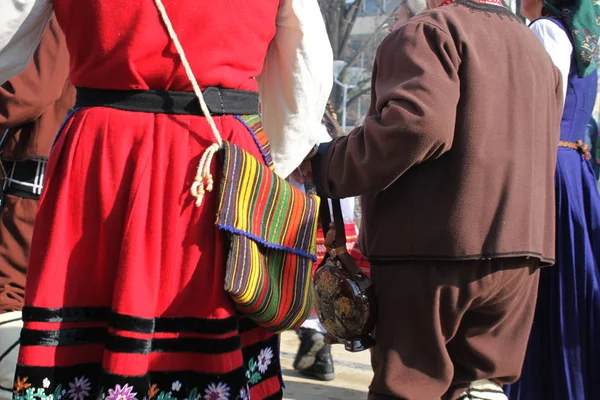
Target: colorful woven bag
[(272, 228), (271, 225)]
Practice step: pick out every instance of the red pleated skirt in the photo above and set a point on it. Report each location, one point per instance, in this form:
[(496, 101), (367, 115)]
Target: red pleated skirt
[(124, 296)]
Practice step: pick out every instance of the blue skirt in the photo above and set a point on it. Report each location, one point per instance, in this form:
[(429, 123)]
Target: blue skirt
[(563, 355)]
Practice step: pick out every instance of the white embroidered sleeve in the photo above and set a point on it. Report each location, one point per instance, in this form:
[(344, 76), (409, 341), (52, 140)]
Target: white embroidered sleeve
[(558, 45), (295, 83), (22, 24)]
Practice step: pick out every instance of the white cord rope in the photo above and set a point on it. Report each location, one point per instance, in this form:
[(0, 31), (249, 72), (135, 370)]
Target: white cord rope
[(203, 182)]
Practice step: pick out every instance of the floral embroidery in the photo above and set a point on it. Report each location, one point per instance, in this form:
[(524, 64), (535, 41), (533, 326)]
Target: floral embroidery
[(244, 394), (30, 393), (252, 374), (59, 392), (33, 394), (194, 395), (256, 369), (264, 359), (581, 19), (119, 393), (219, 391), (80, 388), (21, 383), (152, 391)]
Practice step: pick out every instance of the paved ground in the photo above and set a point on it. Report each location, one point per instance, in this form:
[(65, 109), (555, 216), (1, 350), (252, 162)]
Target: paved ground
[(353, 375)]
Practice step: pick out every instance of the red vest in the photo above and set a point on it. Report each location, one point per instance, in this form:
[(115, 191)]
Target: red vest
[(117, 44)]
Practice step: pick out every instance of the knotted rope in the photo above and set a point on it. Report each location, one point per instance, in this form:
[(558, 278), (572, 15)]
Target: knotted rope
[(203, 182)]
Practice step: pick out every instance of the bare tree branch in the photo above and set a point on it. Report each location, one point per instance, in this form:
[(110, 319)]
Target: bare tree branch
[(340, 19), (353, 59), (350, 20), (358, 94), (366, 43)]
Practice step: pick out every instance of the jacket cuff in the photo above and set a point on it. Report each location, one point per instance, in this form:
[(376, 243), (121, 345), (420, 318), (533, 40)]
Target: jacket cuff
[(317, 168)]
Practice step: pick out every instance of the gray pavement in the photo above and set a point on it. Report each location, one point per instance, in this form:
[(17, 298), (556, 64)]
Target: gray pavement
[(353, 375)]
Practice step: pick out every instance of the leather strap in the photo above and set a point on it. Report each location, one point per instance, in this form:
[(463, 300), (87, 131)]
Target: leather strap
[(338, 221), (339, 249), (325, 216)]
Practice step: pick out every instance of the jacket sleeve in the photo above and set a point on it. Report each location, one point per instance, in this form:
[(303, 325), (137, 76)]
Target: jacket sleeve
[(295, 83), (25, 97), (414, 95), (21, 25)]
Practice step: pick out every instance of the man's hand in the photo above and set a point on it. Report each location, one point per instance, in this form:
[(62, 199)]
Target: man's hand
[(303, 173)]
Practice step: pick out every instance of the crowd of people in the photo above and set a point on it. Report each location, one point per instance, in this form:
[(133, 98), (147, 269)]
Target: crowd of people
[(480, 214)]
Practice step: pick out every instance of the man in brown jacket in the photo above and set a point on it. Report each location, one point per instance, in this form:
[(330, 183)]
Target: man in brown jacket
[(33, 106), (455, 165)]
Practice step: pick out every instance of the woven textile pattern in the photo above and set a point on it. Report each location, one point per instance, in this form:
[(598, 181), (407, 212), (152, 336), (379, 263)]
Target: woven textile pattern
[(254, 125), (272, 249)]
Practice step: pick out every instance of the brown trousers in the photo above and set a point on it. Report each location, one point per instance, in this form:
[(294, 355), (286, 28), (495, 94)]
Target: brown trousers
[(16, 229), (443, 325)]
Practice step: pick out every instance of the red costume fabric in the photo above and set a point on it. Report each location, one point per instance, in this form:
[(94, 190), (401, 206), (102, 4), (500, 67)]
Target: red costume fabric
[(124, 45), (124, 294)]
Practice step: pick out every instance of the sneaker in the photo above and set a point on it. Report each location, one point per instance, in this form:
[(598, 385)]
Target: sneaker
[(311, 342), (322, 368), (483, 390)]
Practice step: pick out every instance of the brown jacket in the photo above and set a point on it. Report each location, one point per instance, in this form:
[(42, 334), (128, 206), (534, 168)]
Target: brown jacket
[(34, 104), (457, 154)]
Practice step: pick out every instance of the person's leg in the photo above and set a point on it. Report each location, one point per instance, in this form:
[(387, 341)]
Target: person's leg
[(445, 328), (10, 330), (491, 341), (312, 340), (16, 228), (416, 312), (314, 357), (314, 324)]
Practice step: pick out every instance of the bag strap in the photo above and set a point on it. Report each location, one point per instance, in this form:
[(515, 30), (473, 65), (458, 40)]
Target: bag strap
[(340, 251), (203, 182), (340, 226), (338, 222), (325, 216)]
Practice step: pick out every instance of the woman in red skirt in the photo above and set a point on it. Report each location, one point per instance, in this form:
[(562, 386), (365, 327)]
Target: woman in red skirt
[(124, 297)]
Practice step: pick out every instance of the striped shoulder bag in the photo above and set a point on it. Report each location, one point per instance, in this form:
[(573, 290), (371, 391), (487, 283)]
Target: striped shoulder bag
[(270, 224)]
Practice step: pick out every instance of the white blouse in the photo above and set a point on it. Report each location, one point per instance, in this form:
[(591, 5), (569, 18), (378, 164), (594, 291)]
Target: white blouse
[(294, 86), (557, 45)]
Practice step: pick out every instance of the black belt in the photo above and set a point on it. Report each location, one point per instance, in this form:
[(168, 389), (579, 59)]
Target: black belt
[(219, 101), (24, 178)]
